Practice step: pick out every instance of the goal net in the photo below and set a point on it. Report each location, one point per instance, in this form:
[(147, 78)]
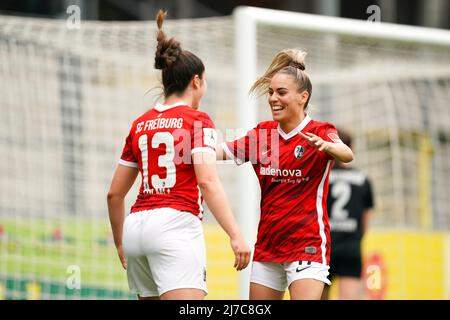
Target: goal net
[(69, 96)]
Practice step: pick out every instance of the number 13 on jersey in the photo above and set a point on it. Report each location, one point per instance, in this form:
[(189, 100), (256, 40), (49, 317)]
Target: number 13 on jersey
[(164, 161)]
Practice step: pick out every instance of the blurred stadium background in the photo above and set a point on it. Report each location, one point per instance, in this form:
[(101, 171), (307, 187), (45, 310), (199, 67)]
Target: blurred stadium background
[(68, 96)]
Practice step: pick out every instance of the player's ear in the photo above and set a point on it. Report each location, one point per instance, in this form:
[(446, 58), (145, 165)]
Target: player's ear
[(303, 97), (196, 81)]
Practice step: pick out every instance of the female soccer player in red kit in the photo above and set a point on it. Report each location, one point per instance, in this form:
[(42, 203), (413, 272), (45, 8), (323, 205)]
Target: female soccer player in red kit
[(160, 243), (292, 156)]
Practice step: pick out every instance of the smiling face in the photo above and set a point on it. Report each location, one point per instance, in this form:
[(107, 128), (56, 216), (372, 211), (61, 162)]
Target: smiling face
[(286, 102)]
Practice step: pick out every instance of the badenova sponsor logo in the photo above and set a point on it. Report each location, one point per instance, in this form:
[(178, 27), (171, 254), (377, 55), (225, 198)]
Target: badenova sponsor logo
[(269, 171)]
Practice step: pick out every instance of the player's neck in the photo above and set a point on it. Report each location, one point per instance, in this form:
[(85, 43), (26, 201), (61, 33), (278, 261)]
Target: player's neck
[(291, 124), (175, 98)]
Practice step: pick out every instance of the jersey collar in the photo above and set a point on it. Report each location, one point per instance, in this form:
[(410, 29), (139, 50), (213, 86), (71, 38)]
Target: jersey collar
[(296, 130), (160, 107)]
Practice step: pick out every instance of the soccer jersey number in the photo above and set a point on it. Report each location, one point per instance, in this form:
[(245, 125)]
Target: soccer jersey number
[(164, 161), (342, 192)]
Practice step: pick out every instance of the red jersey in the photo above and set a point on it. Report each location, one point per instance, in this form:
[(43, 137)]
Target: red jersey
[(160, 145), (294, 185)]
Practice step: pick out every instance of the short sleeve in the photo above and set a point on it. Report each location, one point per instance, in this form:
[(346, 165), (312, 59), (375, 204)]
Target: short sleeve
[(329, 133), (204, 136), (240, 150), (127, 158)]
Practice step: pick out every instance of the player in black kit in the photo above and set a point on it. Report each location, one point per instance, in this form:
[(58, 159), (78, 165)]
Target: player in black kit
[(350, 200)]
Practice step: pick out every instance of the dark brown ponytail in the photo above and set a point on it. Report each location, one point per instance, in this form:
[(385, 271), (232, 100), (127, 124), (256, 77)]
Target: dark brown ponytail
[(178, 66)]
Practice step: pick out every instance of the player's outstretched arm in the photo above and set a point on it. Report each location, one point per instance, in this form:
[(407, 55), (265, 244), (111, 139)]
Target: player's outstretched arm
[(122, 181), (215, 197), (339, 151), (220, 154)]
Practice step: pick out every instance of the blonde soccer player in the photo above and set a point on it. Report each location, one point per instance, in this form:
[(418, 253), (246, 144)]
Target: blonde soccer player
[(291, 155)]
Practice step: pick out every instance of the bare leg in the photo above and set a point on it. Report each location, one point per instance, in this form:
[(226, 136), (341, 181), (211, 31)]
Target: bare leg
[(306, 289), (326, 293), (260, 292), (349, 288), (184, 294)]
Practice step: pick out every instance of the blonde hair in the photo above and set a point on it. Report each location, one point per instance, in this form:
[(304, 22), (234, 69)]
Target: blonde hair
[(291, 62)]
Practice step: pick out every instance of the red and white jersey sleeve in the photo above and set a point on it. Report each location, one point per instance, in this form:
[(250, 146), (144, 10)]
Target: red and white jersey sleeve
[(204, 135), (128, 158), (328, 132), (245, 148)]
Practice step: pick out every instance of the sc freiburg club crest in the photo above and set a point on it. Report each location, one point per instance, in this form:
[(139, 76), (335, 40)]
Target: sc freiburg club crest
[(298, 152)]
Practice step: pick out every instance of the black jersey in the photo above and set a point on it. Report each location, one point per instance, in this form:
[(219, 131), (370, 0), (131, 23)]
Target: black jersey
[(349, 194)]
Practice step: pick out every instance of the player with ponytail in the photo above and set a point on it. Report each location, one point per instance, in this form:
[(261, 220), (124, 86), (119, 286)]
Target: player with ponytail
[(172, 145), (292, 156)]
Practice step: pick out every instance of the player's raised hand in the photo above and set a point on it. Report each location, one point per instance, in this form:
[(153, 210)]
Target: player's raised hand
[(315, 141), (241, 252)]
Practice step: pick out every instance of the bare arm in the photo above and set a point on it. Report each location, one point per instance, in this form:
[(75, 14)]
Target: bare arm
[(215, 197), (365, 221), (339, 151), (221, 154), (122, 181)]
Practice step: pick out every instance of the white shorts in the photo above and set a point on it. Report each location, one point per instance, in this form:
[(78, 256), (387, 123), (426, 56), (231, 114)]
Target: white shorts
[(165, 250), (280, 275)]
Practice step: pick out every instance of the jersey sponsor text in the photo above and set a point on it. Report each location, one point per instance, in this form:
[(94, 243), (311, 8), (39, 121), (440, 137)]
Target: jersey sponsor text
[(159, 123)]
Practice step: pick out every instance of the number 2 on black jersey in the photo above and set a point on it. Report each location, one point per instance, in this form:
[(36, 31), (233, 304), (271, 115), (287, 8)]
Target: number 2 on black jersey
[(342, 192)]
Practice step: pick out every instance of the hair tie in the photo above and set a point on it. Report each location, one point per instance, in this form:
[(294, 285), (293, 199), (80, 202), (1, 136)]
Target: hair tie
[(297, 65)]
